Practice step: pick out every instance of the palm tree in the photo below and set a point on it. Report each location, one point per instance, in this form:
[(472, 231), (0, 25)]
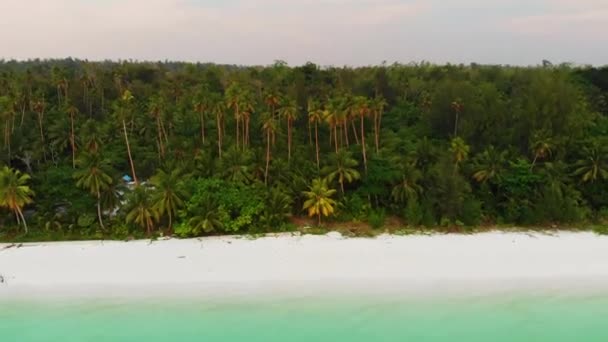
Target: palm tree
[(315, 116), (15, 193), (277, 208), (7, 115), (72, 112), (378, 105), (269, 127), (39, 107), (234, 99), (155, 107), (92, 175), (125, 102), (594, 166), (332, 117), (457, 107), (541, 146), (489, 165), (201, 104), (460, 151), (362, 109), (319, 202), (218, 108), (91, 136), (272, 99), (236, 165), (140, 209), (342, 167), (290, 112), (170, 194), (205, 218), (408, 187)]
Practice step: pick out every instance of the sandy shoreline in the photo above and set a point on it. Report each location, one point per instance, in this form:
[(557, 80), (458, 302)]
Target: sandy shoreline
[(307, 265)]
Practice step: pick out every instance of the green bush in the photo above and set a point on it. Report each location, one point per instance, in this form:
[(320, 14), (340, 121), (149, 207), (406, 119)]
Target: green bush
[(377, 218), (414, 213)]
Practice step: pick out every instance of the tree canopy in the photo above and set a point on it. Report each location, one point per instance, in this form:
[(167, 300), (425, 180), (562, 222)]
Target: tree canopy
[(217, 149)]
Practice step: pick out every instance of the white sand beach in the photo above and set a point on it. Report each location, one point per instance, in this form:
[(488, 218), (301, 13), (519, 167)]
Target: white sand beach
[(474, 264)]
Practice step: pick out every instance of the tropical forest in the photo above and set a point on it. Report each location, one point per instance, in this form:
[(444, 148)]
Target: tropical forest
[(127, 149)]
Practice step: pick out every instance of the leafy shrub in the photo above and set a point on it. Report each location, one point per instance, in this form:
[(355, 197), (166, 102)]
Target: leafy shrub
[(471, 212), (239, 206), (376, 218), (414, 213)]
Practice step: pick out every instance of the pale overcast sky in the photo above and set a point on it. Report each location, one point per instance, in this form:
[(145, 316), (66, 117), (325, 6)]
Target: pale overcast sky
[(327, 32)]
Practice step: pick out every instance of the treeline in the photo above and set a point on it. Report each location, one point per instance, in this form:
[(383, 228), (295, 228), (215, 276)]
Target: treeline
[(216, 149)]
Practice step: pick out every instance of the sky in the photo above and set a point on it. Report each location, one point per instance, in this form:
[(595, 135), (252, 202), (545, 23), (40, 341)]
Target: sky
[(326, 32)]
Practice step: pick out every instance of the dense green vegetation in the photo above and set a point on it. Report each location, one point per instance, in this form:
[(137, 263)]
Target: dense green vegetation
[(223, 149)]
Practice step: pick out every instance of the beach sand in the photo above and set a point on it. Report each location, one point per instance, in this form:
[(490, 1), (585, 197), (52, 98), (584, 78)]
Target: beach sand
[(480, 264)]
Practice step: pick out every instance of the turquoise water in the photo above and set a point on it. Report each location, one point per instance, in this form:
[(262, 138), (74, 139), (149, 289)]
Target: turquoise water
[(522, 318)]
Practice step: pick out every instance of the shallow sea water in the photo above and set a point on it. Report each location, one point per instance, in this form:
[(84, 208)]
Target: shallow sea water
[(490, 318)]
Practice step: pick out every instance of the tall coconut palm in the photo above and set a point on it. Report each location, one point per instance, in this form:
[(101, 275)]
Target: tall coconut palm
[(272, 98), (201, 104), (155, 108), (7, 115), (457, 107), (39, 107), (342, 166), (269, 127), (140, 209), (72, 112), (92, 175), (362, 109), (234, 101), (315, 116), (218, 108), (593, 166), (332, 117), (378, 105), (125, 108), (15, 193), (289, 111), (169, 193), (319, 202)]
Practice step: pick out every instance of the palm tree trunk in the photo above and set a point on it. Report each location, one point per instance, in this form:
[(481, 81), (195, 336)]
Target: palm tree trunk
[(124, 127), (363, 143), (345, 128), (267, 156), (376, 129), (202, 126), (22, 219), (99, 217), (319, 218), (288, 139), (336, 137), (161, 146), (352, 125), (317, 143), (219, 134), (238, 132), (309, 134), (170, 221), (72, 142)]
